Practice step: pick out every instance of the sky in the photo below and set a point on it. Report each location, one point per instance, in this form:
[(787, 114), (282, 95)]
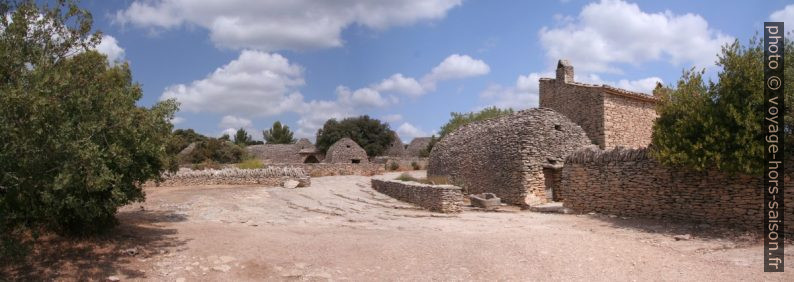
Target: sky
[(247, 63)]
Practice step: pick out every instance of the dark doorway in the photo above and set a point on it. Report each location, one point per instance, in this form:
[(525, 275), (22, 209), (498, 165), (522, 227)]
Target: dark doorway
[(311, 160), (355, 161), (551, 178)]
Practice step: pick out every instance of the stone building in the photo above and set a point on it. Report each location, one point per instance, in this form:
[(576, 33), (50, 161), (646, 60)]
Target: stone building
[(518, 157), (416, 146), (397, 148), (302, 151), (610, 116), (346, 151)]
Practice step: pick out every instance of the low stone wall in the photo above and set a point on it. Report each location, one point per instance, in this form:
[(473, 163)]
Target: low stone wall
[(438, 198), (324, 169), (270, 176), (630, 183)]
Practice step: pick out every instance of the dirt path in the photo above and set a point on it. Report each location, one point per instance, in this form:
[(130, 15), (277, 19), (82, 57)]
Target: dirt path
[(340, 229)]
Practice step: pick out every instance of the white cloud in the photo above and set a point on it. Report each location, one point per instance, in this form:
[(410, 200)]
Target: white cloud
[(401, 84), (362, 97), (177, 120), (314, 114), (280, 25), (256, 83), (408, 131), (229, 131), (785, 15), (110, 47), (524, 94), (612, 32), (392, 118), (234, 122), (455, 67)]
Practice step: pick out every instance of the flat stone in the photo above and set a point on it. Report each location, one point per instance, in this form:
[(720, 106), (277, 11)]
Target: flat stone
[(290, 184)]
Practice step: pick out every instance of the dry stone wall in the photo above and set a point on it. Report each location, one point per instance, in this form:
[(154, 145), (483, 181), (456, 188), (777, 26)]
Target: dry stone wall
[(437, 198), (416, 146), (325, 169), (583, 105), (505, 155), (270, 176), (628, 121), (628, 182)]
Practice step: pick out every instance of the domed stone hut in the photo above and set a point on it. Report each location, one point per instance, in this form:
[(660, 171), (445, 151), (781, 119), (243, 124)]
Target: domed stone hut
[(302, 151), (518, 157), (417, 145), (346, 151), (397, 148)]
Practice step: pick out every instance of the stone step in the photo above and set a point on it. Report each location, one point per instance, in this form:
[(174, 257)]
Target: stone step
[(552, 207)]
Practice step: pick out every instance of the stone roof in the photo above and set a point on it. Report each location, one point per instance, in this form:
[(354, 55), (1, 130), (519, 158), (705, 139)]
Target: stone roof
[(417, 145), (613, 90), (397, 148), (346, 151)]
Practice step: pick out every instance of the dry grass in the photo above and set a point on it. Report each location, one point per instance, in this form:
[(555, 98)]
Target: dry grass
[(432, 180)]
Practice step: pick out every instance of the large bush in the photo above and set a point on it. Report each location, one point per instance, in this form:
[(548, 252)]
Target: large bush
[(74, 146), (371, 134), (216, 150), (719, 124)]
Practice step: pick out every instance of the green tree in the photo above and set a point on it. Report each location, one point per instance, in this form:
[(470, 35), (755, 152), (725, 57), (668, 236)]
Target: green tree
[(457, 120), (242, 137), (703, 125), (74, 146), (278, 134), (460, 119), (371, 134), (216, 150)]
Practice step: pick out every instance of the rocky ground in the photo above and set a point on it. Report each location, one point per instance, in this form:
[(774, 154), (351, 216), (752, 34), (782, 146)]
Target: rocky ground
[(340, 229)]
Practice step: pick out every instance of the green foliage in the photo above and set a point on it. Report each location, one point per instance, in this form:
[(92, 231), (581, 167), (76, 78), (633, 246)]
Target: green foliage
[(394, 165), (460, 119), (216, 150), (278, 134), (225, 137), (207, 164), (242, 137), (74, 146), (703, 125), (406, 177), (371, 134), (415, 165), (181, 138), (251, 164)]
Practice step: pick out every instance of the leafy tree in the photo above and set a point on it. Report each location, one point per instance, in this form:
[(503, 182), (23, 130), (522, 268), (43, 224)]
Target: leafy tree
[(703, 125), (181, 138), (278, 134), (242, 137), (371, 134), (74, 146), (460, 119), (225, 137), (216, 150)]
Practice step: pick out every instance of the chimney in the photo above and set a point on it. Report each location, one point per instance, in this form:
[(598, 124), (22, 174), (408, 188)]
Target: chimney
[(564, 71)]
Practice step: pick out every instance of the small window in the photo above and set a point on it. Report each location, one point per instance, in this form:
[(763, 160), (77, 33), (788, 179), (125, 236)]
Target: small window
[(347, 146), (355, 161), (558, 127)]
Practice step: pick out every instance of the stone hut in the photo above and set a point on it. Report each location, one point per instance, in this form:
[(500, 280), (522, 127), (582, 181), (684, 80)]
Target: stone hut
[(518, 157), (610, 116), (346, 151), (416, 146), (397, 148), (302, 151)]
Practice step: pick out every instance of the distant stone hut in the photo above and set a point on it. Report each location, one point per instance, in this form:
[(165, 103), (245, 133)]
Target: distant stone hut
[(346, 151), (397, 148), (302, 151), (518, 157), (416, 146)]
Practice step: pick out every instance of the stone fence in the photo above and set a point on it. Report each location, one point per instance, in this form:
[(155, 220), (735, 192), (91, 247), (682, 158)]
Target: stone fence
[(437, 198), (324, 169), (270, 176), (628, 182)]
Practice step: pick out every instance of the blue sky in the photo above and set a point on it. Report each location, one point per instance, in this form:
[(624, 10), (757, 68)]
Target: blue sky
[(239, 63)]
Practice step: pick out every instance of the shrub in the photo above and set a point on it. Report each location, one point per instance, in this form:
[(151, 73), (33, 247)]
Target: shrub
[(74, 144), (251, 164), (415, 165), (217, 150), (406, 177), (394, 165)]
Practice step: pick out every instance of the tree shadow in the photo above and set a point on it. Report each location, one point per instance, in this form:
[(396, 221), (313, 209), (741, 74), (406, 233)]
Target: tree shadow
[(670, 227), (139, 235)]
